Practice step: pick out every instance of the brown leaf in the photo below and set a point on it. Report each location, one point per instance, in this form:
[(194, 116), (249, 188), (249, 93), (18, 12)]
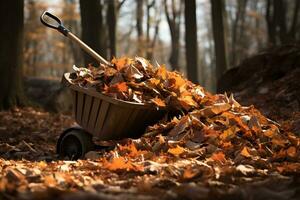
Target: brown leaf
[(229, 133), (215, 109), (183, 124), (187, 102), (131, 72)]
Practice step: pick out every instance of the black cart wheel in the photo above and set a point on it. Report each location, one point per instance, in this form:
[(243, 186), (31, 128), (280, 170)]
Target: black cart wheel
[(74, 143)]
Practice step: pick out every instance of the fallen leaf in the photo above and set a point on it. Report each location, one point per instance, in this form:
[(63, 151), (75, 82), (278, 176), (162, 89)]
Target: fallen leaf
[(178, 150), (159, 102), (245, 169), (119, 163), (245, 152), (188, 173), (291, 152), (219, 157)]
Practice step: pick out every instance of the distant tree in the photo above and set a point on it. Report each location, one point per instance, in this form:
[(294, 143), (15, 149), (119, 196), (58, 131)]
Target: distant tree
[(173, 13), (111, 19), (139, 26), (276, 16), (191, 44), (70, 17), (152, 22), (11, 53), (218, 10), (31, 48), (238, 30), (93, 32)]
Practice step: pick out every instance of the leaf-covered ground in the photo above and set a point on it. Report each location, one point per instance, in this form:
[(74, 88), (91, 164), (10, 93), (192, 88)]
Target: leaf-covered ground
[(216, 148), (30, 170), (271, 81)]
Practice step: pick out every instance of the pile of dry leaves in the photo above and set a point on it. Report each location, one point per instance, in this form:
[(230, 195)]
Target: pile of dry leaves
[(136, 80), (215, 149), (271, 81)]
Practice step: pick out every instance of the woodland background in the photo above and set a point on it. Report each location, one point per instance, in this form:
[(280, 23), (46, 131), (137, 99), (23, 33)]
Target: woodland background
[(192, 37), (245, 150)]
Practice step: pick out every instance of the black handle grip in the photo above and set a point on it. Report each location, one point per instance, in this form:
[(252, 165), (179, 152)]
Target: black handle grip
[(60, 26)]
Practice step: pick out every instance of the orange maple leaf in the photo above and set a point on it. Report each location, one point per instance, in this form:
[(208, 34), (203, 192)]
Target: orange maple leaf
[(119, 163), (159, 102), (118, 87), (219, 157), (121, 62)]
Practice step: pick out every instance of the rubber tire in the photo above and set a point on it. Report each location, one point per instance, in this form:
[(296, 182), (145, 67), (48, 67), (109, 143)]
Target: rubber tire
[(74, 144)]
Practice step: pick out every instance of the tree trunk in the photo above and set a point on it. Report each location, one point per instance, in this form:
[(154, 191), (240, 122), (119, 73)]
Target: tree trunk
[(74, 24), (237, 31), (191, 40), (11, 53), (139, 26), (280, 20), (111, 23), (92, 28), (174, 25), (150, 4), (277, 21), (217, 10), (295, 19), (270, 23)]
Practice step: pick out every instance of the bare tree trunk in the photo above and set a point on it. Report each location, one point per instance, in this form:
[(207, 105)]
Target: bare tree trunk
[(270, 23), (152, 45), (295, 19), (173, 20), (150, 5), (276, 16), (73, 23), (92, 28), (280, 19), (217, 9), (191, 44), (237, 30), (11, 53), (111, 23), (139, 26)]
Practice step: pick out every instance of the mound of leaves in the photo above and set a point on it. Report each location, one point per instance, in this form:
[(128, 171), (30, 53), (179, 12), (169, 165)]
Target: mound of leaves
[(216, 148), (213, 127), (138, 81), (271, 81)]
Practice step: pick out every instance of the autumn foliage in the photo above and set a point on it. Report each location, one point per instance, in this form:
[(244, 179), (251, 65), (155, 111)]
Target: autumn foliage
[(213, 128), (212, 142)]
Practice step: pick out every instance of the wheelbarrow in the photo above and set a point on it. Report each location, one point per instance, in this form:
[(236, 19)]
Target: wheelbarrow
[(98, 115)]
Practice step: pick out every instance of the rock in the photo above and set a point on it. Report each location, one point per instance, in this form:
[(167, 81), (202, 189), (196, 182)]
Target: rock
[(49, 94)]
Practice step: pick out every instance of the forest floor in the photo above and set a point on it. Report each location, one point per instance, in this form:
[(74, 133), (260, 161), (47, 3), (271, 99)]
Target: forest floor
[(254, 160), (269, 80), (30, 170)]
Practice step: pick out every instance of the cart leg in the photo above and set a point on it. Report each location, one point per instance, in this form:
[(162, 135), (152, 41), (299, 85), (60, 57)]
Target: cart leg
[(74, 143)]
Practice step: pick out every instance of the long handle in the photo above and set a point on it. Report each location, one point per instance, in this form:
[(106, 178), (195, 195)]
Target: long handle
[(57, 25)]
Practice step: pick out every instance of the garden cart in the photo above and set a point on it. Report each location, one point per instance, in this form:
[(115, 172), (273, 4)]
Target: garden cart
[(97, 114)]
